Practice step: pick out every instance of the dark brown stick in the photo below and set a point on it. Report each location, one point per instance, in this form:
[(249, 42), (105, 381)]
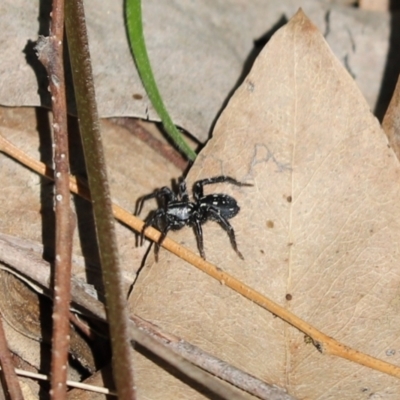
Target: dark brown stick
[(24, 256), (96, 169), (8, 372), (50, 53)]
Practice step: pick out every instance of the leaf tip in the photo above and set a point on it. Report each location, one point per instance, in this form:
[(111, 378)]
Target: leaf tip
[(300, 20)]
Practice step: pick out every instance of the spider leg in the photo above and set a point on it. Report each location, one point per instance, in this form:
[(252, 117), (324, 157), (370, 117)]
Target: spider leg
[(198, 191), (159, 242), (227, 228), (152, 221), (198, 231), (164, 193)]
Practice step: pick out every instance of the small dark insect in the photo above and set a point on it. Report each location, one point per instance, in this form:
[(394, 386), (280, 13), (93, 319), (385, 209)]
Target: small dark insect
[(176, 210)]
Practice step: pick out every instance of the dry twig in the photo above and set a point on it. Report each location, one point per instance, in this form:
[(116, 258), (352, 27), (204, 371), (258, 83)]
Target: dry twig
[(322, 342), (19, 254), (50, 53), (8, 373)]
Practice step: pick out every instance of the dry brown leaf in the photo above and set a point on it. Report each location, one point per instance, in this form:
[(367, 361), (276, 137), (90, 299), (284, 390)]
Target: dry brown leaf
[(198, 50), (391, 122), (319, 232), (374, 5), (27, 202)]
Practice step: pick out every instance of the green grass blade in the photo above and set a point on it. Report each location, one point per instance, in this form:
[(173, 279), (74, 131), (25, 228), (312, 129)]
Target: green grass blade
[(133, 12)]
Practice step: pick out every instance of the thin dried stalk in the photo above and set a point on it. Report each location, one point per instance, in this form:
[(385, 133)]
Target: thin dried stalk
[(10, 379), (211, 364), (50, 53), (18, 253), (101, 199), (72, 384)]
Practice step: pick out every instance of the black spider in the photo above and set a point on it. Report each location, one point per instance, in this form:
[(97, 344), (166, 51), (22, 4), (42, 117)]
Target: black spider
[(176, 210)]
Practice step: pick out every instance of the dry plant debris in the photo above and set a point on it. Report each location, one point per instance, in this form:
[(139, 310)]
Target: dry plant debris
[(318, 230)]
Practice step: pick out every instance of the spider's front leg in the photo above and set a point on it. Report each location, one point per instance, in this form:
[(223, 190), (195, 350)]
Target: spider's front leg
[(154, 220), (164, 193), (198, 187)]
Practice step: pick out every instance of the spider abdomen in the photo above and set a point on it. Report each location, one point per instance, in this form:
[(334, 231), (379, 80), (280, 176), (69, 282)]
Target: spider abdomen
[(225, 205)]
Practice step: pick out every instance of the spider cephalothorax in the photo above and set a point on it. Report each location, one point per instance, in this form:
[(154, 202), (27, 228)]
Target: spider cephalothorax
[(176, 210)]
